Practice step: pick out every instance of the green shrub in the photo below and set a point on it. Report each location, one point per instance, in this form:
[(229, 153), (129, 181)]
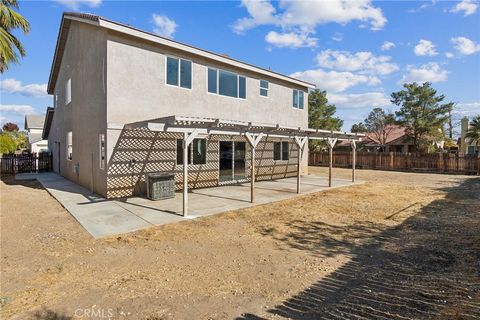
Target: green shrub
[(7, 143)]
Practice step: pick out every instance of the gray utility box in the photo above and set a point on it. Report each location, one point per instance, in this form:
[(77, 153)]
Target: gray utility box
[(160, 185)]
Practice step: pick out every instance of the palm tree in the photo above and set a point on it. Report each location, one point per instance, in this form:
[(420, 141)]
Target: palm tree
[(9, 44), (473, 132)]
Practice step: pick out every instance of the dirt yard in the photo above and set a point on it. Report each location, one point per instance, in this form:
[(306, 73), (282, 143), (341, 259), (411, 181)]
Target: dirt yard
[(399, 246)]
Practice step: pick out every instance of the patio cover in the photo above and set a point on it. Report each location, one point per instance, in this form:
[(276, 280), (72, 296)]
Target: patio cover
[(191, 127), (181, 124)]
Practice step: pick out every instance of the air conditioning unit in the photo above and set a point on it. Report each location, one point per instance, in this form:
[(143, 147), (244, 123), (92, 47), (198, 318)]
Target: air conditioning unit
[(160, 185)]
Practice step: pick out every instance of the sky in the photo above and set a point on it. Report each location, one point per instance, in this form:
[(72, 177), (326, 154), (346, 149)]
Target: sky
[(358, 51)]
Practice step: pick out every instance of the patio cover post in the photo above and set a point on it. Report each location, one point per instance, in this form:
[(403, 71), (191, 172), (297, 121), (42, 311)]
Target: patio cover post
[(354, 158), (300, 142), (187, 139), (253, 142), (331, 143)]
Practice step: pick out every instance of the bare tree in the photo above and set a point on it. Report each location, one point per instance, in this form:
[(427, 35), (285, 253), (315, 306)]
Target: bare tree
[(380, 125)]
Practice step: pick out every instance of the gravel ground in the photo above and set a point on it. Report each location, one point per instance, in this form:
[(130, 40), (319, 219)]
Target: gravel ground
[(400, 246)]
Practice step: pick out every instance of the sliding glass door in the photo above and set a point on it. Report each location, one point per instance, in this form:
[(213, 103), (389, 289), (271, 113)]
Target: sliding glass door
[(232, 161)]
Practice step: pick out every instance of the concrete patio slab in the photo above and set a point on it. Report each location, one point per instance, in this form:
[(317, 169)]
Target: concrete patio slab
[(102, 217)]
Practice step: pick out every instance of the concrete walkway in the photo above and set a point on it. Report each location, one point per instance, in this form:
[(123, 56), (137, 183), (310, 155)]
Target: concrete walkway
[(102, 217)]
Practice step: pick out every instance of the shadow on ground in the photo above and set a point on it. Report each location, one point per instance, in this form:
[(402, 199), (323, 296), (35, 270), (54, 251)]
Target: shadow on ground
[(47, 314), (9, 179), (426, 268)]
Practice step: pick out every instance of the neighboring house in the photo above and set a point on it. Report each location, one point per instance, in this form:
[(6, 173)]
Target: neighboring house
[(397, 141), (122, 95), (467, 146), (34, 128)]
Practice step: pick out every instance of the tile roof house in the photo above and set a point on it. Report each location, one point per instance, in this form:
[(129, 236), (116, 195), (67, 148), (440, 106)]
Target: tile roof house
[(396, 141)]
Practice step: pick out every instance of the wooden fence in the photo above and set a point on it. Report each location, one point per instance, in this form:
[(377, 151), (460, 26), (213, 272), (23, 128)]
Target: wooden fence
[(427, 162), (26, 163)]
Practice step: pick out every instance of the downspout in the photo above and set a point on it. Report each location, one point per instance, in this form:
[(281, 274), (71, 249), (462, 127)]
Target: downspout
[(91, 184)]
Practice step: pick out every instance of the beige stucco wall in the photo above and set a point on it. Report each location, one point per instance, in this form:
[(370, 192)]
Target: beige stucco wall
[(84, 62), (137, 89)]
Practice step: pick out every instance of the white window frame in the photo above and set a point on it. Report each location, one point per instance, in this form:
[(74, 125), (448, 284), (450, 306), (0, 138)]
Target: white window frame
[(218, 83), (69, 146), (261, 88), (101, 151), (68, 91), (178, 71)]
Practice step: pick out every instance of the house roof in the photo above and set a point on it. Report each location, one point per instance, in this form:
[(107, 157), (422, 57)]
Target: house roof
[(34, 137), (129, 30), (395, 133), (47, 122), (34, 121)]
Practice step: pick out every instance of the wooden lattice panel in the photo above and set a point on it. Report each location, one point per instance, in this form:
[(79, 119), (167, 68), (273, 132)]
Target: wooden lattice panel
[(156, 152)]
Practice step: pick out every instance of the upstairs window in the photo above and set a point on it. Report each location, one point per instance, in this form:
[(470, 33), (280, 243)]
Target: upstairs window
[(298, 101), (197, 152), (280, 151), (226, 83), (264, 88), (212, 80), (68, 91), (179, 72), (69, 145)]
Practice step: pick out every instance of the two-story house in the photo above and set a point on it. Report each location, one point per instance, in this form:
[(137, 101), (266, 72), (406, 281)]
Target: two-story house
[(125, 100)]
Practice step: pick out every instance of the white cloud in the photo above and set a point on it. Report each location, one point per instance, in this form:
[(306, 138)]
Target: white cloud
[(75, 4), (32, 90), (290, 39), (430, 72), (364, 62), (425, 48), (449, 55), (164, 26), (337, 36), (468, 7), (302, 17), (360, 100), (334, 81), (17, 108), (308, 14), (424, 6), (469, 109), (387, 45), (261, 12), (465, 46)]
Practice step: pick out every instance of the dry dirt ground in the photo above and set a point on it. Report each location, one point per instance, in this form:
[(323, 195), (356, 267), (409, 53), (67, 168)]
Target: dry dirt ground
[(400, 246)]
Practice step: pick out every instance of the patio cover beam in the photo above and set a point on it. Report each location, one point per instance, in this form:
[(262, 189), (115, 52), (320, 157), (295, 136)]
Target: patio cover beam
[(300, 142), (354, 158), (187, 140), (223, 127), (253, 142), (331, 143)]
